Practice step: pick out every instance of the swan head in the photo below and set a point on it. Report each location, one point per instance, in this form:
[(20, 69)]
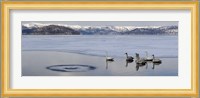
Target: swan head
[(153, 56)]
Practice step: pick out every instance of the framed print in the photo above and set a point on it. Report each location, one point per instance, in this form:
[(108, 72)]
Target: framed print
[(100, 49)]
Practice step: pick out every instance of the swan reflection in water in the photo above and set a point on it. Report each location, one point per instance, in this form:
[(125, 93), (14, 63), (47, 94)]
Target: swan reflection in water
[(142, 65), (127, 62), (155, 64), (107, 63), (137, 65)]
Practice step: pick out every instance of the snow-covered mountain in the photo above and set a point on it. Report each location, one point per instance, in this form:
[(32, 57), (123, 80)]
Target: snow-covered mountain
[(35, 25), (38, 28)]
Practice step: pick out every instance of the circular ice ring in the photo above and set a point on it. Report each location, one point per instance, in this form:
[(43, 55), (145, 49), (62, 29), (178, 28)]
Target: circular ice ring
[(71, 68)]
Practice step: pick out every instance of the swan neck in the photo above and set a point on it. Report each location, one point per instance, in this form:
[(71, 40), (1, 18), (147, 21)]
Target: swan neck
[(146, 53), (126, 55), (137, 57), (153, 57), (106, 54)]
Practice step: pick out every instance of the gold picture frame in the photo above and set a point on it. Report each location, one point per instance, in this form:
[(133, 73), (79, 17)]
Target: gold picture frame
[(5, 44)]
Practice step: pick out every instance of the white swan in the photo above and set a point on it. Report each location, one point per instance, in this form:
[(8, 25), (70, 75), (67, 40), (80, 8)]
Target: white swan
[(109, 58), (155, 60), (129, 58), (139, 61), (147, 57)]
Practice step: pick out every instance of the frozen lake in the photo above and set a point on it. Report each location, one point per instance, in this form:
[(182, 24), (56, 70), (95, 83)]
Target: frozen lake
[(116, 46), (42, 54)]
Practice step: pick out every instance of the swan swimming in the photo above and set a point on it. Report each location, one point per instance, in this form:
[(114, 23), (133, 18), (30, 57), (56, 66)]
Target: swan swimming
[(109, 58), (129, 58), (139, 61), (155, 60), (147, 57)]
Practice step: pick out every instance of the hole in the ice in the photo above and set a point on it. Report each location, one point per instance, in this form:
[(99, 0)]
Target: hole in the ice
[(71, 68)]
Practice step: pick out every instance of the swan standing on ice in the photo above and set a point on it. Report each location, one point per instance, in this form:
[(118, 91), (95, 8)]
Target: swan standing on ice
[(109, 58), (147, 57), (129, 58), (155, 60), (139, 61)]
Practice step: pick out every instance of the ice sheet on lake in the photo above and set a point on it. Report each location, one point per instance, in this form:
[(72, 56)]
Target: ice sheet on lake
[(116, 46)]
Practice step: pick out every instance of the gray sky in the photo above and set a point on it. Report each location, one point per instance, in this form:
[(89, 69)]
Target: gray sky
[(109, 23)]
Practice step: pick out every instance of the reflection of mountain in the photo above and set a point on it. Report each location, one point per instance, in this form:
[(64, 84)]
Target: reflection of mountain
[(49, 29)]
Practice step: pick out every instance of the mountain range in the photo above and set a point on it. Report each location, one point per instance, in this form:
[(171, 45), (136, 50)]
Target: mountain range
[(60, 29)]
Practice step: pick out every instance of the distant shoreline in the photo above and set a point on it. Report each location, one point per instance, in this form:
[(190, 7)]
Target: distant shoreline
[(54, 29)]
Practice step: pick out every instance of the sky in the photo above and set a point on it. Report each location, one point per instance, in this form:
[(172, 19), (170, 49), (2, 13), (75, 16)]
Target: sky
[(108, 23)]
